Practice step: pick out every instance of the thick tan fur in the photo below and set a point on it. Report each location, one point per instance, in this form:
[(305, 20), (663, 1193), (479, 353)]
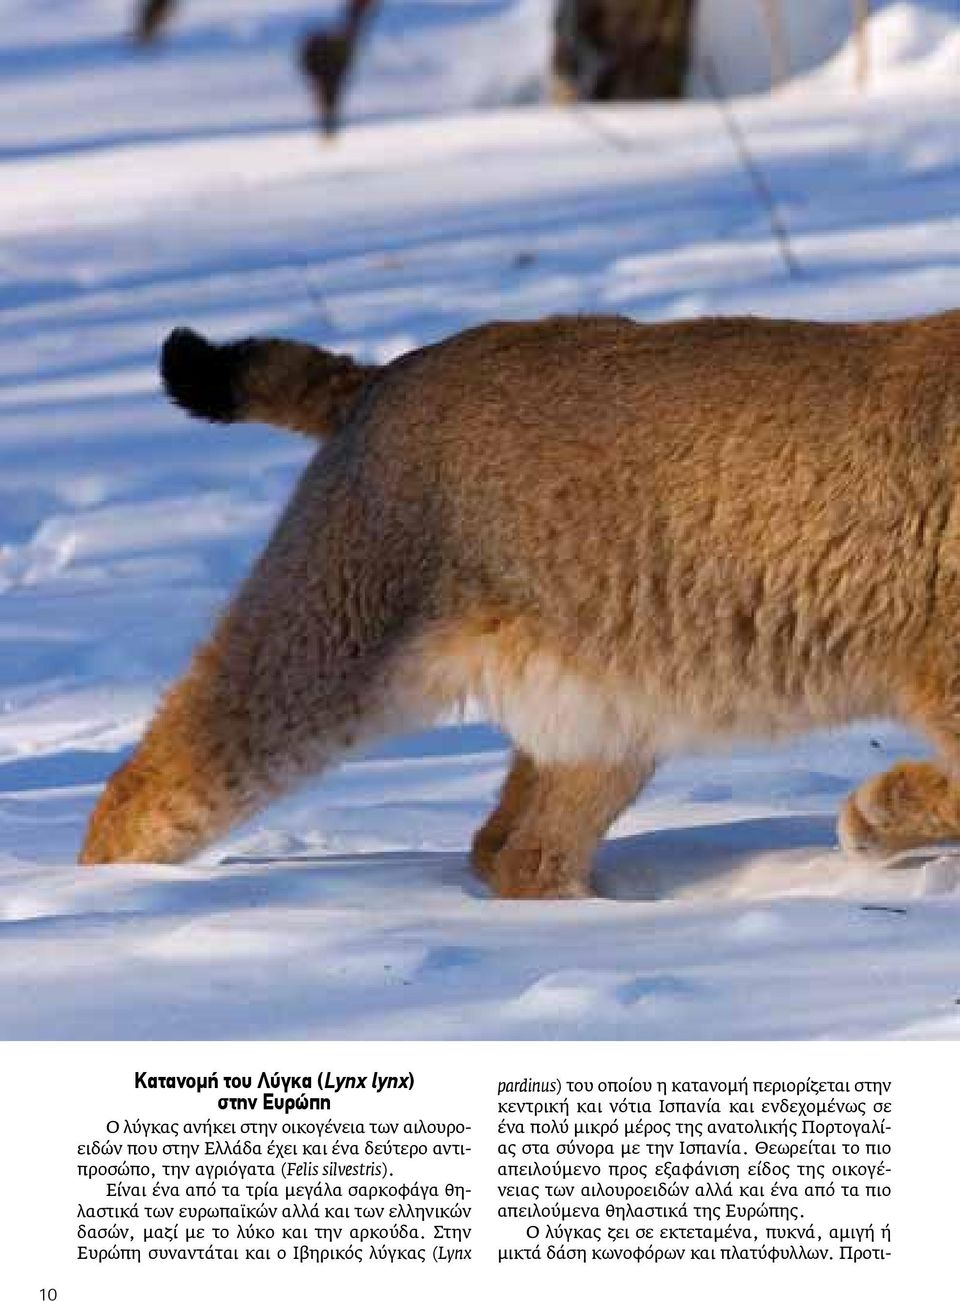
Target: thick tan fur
[(624, 540), (301, 388)]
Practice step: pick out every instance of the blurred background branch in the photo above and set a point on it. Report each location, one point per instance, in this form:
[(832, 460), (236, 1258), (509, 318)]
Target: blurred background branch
[(779, 54), (861, 17)]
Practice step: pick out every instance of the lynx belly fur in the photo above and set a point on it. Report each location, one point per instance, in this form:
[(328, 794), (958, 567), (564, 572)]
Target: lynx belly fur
[(623, 540)]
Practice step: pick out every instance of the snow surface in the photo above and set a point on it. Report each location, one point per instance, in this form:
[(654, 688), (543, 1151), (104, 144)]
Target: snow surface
[(187, 185)]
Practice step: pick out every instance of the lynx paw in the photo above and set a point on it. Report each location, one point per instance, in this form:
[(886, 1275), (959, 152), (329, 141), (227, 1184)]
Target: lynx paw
[(911, 805), (528, 869), (483, 852)]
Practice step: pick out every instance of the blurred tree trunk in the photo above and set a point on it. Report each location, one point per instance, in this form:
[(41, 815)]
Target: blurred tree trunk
[(621, 49), (326, 59), (152, 15)]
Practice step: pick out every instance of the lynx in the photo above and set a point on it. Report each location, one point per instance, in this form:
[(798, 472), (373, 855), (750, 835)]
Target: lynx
[(623, 540)]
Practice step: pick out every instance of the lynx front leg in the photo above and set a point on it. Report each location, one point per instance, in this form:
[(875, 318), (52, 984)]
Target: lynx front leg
[(913, 804), (568, 809)]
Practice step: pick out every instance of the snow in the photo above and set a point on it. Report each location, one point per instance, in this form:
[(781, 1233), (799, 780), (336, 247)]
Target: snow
[(909, 44), (188, 185)]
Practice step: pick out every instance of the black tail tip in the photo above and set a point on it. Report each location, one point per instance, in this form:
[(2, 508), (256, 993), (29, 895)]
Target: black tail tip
[(200, 376)]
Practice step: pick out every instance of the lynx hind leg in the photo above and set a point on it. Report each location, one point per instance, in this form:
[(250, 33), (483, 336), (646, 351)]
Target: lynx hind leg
[(514, 798), (224, 745), (567, 809), (579, 759), (198, 771), (316, 656)]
